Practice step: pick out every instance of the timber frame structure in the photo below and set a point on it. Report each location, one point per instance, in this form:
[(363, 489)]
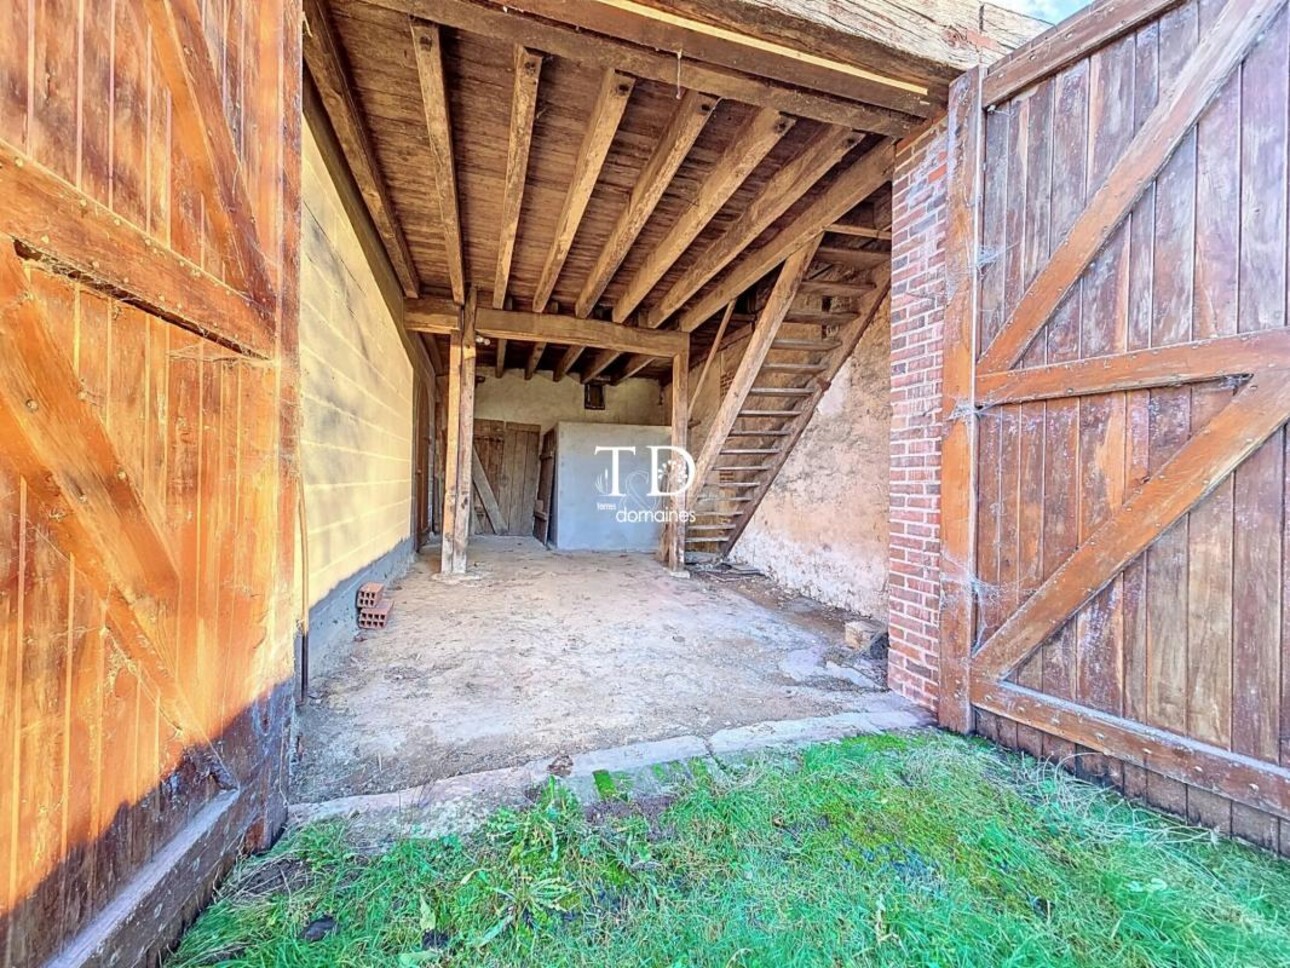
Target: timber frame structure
[(651, 171)]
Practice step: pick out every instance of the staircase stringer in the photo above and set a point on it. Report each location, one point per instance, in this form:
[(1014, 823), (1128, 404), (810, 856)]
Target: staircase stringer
[(791, 274), (850, 338)]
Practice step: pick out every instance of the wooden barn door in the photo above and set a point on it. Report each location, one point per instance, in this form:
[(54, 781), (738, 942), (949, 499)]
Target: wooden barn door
[(149, 171), (1116, 553)]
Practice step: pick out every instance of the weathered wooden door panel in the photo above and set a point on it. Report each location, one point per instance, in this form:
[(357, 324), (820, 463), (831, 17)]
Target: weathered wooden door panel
[(1118, 384), (147, 346)]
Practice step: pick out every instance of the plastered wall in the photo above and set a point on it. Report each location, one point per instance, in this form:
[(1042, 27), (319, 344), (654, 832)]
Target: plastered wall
[(356, 395), (822, 527), (543, 401)]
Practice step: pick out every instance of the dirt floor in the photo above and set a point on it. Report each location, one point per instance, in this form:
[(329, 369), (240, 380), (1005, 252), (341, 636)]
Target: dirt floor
[(535, 653)]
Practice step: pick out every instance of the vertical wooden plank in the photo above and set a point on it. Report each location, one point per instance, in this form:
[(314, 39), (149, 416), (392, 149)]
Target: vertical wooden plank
[(1170, 418), (13, 544), (1035, 149), (993, 230), (83, 756), (1009, 472), (1069, 136), (958, 406), (15, 30), (1209, 592), (1099, 680), (1258, 496), (40, 761), (129, 114), (158, 175), (54, 92), (96, 104), (1138, 336)]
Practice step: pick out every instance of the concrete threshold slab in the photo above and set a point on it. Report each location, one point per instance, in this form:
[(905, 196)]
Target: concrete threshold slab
[(458, 804)]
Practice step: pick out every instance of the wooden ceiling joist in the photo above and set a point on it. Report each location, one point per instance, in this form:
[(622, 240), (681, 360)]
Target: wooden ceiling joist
[(856, 183), (426, 41), (852, 258), (634, 364), (789, 184), (665, 67), (756, 138), (602, 124), (598, 364), (860, 231), (692, 113), (567, 360), (568, 331), (327, 67), (432, 314), (528, 68), (535, 357)]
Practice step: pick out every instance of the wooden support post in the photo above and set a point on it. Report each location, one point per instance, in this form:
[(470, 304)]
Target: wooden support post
[(674, 532), (461, 444), (958, 455)]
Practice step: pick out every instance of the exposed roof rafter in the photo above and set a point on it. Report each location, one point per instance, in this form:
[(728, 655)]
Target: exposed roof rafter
[(528, 67), (426, 41), (602, 124), (692, 113)]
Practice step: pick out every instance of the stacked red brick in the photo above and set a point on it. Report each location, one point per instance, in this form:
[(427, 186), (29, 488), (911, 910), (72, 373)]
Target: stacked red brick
[(917, 326), (373, 606)]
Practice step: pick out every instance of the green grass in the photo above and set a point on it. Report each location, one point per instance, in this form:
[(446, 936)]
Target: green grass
[(890, 850)]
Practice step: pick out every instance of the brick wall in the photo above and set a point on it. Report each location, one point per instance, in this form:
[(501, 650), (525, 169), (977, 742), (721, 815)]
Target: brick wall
[(355, 393), (917, 324)]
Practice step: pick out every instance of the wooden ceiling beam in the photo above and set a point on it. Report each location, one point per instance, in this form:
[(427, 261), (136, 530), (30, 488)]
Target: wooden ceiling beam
[(432, 314), (325, 61), (789, 184), (599, 363), (535, 357), (602, 125), (672, 30), (528, 68), (860, 231), (852, 258), (759, 134), (860, 180), (635, 363), (426, 42), (572, 331), (566, 361), (692, 113), (663, 67)]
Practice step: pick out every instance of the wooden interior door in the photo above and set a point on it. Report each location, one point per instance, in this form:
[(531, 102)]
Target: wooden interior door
[(1117, 383), (505, 481), (149, 167)]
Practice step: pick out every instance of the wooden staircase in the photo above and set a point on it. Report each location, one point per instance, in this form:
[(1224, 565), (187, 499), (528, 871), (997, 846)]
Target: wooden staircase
[(795, 351)]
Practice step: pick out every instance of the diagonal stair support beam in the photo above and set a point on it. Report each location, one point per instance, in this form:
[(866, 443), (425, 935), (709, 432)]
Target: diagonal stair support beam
[(851, 335)]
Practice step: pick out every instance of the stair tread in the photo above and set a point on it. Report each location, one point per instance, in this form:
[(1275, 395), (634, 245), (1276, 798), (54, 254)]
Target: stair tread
[(759, 433), (793, 367), (781, 391), (805, 344), (833, 287)]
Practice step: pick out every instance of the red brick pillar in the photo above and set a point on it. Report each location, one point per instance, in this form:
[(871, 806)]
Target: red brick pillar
[(917, 324)]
